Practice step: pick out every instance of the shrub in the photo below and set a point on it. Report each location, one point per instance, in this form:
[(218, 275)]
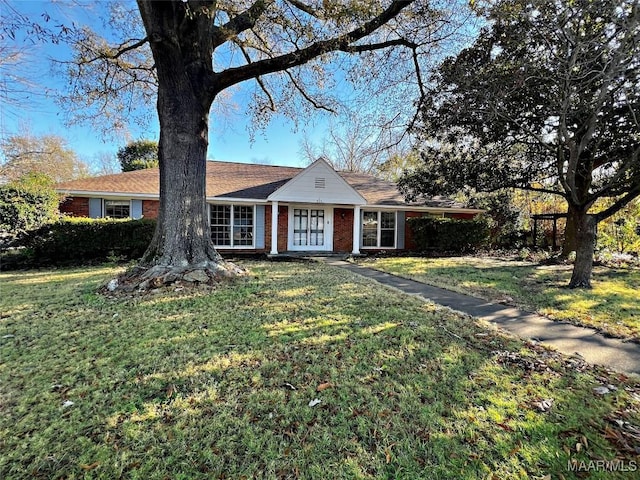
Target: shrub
[(81, 240), (27, 203), (449, 234)]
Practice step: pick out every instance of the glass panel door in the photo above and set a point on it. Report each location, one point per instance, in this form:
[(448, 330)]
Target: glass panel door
[(300, 222), (308, 227), (316, 229)]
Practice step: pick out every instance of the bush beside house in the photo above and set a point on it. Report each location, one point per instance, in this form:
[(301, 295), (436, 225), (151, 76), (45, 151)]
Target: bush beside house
[(27, 203), (449, 234), (73, 241)]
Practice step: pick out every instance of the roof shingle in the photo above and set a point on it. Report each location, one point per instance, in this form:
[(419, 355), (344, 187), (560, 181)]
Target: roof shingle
[(242, 181)]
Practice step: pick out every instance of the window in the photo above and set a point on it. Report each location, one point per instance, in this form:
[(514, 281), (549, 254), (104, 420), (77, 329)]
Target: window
[(231, 225), (378, 229), (220, 216), (117, 208)]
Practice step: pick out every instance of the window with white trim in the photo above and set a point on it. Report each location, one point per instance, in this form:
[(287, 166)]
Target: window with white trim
[(378, 229), (117, 208), (232, 225)]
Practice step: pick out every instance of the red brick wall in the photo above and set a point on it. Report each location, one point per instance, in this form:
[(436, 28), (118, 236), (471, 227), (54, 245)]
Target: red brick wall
[(150, 208), (343, 230), (283, 228), (75, 206), (409, 242), (267, 228)]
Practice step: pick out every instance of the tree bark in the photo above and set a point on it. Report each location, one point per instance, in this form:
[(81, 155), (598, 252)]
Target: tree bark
[(569, 244), (182, 235), (586, 242), (181, 247)]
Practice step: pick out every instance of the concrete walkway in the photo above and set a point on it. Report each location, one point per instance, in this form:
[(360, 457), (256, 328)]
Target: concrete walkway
[(569, 339)]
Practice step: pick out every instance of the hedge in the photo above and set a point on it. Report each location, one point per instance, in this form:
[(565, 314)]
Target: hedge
[(27, 203), (449, 234), (81, 240)]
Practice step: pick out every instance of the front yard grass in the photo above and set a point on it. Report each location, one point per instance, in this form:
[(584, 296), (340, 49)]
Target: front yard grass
[(612, 305), (223, 385)]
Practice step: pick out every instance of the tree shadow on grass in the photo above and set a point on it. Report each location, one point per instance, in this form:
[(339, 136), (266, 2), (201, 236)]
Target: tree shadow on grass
[(611, 306), (219, 386)]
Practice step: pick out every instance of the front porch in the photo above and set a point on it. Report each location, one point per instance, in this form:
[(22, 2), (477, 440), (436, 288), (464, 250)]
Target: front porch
[(314, 229)]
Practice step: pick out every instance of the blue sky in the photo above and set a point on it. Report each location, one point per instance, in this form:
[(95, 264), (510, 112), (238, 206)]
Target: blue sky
[(278, 144)]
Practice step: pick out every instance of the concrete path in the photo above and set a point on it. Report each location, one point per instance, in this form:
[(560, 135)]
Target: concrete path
[(592, 346)]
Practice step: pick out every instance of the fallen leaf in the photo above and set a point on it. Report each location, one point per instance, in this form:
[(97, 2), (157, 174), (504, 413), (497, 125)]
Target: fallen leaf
[(289, 386), (314, 402), (324, 386), (387, 453), (67, 403), (584, 441), (90, 467), (170, 391), (515, 450), (505, 427)]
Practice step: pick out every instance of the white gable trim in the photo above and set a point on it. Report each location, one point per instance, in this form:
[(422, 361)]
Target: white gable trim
[(318, 183)]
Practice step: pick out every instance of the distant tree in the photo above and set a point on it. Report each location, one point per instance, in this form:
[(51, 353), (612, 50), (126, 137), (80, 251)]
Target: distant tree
[(399, 164), (105, 163), (621, 232), (547, 99), (138, 155), (27, 202), (47, 154), (353, 145)]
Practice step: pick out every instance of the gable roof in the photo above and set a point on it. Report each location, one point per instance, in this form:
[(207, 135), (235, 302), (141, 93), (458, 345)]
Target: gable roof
[(319, 183), (240, 181)]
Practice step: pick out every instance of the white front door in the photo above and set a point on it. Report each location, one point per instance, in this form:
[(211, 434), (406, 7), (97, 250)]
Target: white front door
[(310, 228)]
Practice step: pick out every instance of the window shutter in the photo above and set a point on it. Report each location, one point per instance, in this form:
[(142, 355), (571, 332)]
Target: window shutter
[(136, 209), (400, 223), (259, 227), (95, 207)]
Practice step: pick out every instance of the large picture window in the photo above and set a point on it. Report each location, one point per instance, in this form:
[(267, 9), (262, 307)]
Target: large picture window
[(378, 229), (232, 225), (117, 208)]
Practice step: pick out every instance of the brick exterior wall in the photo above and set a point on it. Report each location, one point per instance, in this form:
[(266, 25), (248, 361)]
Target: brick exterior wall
[(342, 224), (150, 208), (409, 242), (75, 206), (283, 228), (343, 230)]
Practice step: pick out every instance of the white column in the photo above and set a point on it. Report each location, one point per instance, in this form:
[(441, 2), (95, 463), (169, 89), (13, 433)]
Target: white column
[(274, 228), (356, 230)]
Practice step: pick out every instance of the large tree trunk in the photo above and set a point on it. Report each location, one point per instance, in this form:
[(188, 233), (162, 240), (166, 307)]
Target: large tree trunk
[(585, 246), (181, 248), (569, 245), (182, 237)]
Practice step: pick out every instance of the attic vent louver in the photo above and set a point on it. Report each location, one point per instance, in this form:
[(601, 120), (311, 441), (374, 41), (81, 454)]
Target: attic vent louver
[(320, 182)]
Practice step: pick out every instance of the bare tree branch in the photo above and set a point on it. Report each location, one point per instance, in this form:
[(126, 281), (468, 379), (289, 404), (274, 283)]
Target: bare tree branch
[(235, 75)]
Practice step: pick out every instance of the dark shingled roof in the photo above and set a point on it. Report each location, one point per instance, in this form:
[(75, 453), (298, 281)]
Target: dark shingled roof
[(246, 181)]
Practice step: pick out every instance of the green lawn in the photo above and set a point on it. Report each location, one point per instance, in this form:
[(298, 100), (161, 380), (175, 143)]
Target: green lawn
[(611, 306), (190, 386)]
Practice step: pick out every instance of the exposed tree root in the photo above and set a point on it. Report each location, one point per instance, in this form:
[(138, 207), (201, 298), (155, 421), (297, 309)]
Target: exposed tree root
[(141, 280)]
